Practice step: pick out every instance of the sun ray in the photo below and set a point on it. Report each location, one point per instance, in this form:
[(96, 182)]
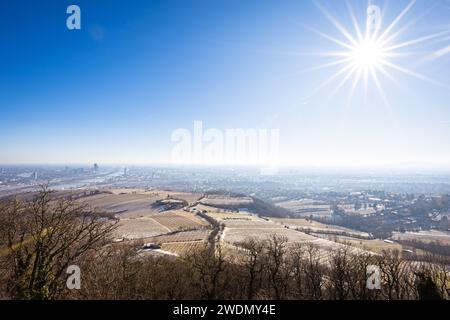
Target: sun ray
[(405, 28), (438, 54), (379, 87), (402, 54), (330, 64), (344, 81), (331, 79), (440, 40), (333, 54), (396, 20), (416, 41), (353, 88), (368, 58), (388, 75), (366, 82), (355, 22), (339, 42), (413, 74), (336, 23)]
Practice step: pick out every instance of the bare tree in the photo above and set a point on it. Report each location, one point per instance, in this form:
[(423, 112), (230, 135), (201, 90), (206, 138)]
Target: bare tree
[(397, 276), (358, 283), (314, 272), (253, 265), (276, 251), (41, 238), (340, 270), (208, 267), (297, 262)]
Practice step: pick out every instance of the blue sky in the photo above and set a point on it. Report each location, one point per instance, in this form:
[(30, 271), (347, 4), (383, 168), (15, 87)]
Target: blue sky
[(114, 91)]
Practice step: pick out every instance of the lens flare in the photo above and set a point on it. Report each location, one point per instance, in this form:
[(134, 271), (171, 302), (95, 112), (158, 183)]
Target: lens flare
[(365, 57)]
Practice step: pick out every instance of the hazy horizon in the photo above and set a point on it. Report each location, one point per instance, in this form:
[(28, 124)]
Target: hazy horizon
[(283, 169)]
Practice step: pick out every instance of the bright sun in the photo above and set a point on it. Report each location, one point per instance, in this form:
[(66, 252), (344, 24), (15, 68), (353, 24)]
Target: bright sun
[(367, 55)]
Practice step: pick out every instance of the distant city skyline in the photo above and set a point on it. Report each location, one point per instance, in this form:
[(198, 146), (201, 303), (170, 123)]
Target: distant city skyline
[(114, 92)]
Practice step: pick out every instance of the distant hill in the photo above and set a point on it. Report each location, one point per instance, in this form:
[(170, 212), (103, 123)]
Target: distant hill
[(255, 205)]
